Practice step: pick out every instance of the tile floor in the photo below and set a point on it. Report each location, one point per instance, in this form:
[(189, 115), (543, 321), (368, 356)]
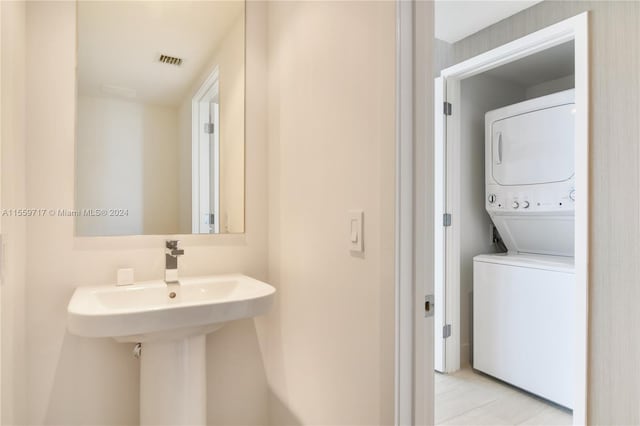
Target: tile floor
[(472, 399)]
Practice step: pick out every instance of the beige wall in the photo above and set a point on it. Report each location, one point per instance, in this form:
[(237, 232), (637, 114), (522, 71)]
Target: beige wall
[(125, 159), (185, 177), (71, 380), (614, 384), (331, 144), (229, 59), (331, 149), (13, 196)]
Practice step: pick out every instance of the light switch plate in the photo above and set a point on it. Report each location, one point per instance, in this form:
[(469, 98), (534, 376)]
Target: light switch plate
[(125, 276), (356, 237)]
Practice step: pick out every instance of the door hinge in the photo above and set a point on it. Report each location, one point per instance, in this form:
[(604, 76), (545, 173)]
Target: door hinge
[(209, 219), (446, 331), (446, 219), (208, 128), (447, 108), (428, 305)]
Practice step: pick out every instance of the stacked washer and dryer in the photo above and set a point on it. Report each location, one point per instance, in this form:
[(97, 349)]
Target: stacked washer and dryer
[(523, 300)]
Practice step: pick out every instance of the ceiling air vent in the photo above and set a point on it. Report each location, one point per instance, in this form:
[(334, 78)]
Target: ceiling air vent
[(171, 60)]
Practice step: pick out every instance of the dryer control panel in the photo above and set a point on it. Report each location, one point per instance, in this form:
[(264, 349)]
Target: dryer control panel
[(557, 197)]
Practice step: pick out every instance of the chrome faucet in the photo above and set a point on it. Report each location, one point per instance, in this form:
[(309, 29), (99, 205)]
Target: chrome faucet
[(171, 254)]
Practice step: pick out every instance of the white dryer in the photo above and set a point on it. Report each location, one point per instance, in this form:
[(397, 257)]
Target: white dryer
[(523, 301), (529, 174)]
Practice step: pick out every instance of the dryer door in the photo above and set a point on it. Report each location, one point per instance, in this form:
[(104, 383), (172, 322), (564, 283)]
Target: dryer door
[(534, 148)]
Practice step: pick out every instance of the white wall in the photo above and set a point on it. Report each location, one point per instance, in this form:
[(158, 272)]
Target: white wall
[(160, 170), (109, 164), (126, 159), (77, 381), (331, 148), (13, 196), (229, 59), (479, 95)]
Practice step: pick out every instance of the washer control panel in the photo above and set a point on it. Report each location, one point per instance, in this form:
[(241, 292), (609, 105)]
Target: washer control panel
[(531, 198)]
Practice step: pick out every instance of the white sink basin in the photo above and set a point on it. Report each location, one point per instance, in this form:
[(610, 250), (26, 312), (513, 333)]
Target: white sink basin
[(145, 311)]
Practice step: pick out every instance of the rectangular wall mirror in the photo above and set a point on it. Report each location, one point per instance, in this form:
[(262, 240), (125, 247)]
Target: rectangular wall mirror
[(160, 117)]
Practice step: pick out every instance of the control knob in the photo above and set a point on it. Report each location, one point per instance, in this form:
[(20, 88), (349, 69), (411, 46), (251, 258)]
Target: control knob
[(572, 195), (525, 204), (515, 205), (492, 198)]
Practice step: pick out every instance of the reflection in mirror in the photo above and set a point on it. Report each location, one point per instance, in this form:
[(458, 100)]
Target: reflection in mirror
[(160, 117)]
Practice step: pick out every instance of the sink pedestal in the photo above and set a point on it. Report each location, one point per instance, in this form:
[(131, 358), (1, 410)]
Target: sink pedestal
[(173, 387), (171, 322)]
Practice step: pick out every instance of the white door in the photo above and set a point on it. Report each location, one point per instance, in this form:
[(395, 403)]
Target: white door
[(206, 159), (439, 228), (204, 149), (446, 229), (214, 167)]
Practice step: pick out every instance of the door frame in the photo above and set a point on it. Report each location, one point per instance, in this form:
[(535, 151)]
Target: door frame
[(413, 327), (405, 291), (199, 159), (577, 29)]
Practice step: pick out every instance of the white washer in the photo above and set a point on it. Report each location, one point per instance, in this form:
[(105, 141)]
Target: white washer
[(523, 316)]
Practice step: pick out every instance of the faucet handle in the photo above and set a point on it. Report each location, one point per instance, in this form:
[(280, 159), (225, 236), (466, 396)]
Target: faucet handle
[(172, 248)]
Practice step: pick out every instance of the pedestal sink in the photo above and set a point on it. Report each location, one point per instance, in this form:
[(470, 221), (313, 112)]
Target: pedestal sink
[(171, 322)]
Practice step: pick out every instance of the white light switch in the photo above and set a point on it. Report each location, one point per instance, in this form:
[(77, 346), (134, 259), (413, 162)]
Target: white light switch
[(125, 276), (355, 231)]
